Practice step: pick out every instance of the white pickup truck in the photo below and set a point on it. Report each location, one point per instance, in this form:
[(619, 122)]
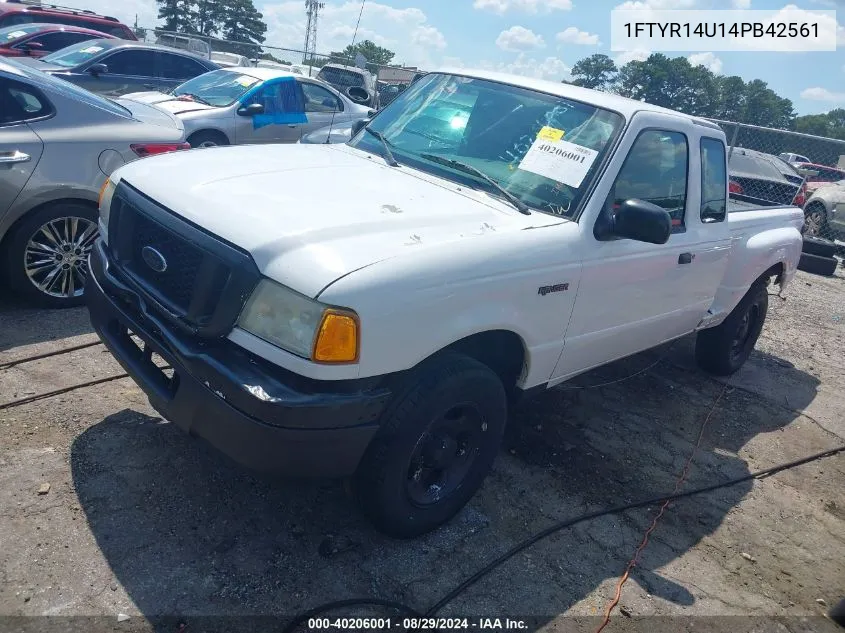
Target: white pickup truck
[(370, 309)]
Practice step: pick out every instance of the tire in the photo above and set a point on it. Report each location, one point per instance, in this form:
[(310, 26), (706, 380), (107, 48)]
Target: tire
[(815, 220), (819, 247), (437, 442), (723, 349), (205, 139), (817, 265), (60, 234)]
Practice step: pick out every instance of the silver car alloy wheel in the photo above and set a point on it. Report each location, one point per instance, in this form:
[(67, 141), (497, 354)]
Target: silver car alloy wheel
[(56, 256)]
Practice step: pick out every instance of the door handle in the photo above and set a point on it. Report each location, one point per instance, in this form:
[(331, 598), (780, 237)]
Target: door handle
[(686, 258), (293, 125), (14, 157)]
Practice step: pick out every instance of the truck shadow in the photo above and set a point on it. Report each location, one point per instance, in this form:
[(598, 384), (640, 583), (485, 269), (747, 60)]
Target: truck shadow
[(22, 324), (189, 534)]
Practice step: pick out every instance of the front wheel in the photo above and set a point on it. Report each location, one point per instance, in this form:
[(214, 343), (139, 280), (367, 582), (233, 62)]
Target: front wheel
[(48, 254), (723, 349), (436, 444)]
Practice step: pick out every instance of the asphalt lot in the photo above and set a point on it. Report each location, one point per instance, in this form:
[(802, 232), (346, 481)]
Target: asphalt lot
[(143, 521)]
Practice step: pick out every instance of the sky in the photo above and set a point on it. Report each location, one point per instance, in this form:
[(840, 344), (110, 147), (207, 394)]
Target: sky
[(542, 38)]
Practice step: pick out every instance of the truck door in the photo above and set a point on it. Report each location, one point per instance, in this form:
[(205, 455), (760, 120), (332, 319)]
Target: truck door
[(633, 295), (20, 147)]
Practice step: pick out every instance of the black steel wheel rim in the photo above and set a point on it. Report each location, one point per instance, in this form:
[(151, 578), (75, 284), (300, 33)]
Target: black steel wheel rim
[(444, 455), (743, 333)]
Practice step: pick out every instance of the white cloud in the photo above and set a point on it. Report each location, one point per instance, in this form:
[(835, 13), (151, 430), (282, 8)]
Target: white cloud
[(637, 55), (708, 60), (572, 35), (528, 6), (551, 68), (644, 5), (429, 36), (741, 4), (518, 38), (823, 94)]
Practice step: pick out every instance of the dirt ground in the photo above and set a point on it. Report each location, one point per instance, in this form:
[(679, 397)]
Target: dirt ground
[(143, 521)]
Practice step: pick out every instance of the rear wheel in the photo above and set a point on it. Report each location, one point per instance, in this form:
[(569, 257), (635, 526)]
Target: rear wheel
[(48, 254), (206, 139), (723, 349), (436, 444)]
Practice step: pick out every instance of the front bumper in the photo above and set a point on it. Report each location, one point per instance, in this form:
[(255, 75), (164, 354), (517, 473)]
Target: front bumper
[(256, 413)]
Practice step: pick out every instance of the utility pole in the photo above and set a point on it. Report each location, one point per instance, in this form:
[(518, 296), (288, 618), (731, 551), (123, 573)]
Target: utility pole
[(313, 8)]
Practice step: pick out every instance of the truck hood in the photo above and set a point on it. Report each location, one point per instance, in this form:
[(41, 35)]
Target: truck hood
[(310, 214), (167, 102)]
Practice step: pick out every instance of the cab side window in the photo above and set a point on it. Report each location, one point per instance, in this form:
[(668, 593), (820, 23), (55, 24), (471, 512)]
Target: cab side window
[(714, 181), (656, 171)]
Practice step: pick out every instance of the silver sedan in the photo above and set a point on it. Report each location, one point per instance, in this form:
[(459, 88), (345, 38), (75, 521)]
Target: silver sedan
[(58, 142), (235, 106)]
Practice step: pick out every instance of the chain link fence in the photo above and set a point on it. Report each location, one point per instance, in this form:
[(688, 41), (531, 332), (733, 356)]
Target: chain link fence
[(373, 85), (771, 167)]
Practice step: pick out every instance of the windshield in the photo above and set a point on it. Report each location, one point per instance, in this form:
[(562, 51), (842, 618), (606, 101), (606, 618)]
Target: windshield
[(74, 55), (341, 77), (541, 148), (10, 33), (218, 88)]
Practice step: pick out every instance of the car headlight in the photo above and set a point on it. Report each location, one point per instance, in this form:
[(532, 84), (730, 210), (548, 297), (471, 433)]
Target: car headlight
[(301, 325), (104, 202)]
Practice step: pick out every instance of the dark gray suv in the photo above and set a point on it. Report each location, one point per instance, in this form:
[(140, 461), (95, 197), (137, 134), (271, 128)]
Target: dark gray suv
[(116, 67)]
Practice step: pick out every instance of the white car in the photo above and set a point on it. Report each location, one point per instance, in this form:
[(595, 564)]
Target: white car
[(370, 309), (235, 106)]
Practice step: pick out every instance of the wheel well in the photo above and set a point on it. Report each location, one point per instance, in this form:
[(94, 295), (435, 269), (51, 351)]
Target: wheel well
[(44, 205), (211, 132), (816, 205), (501, 350), (775, 271)]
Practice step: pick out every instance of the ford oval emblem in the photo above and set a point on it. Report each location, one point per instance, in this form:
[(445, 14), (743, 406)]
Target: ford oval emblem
[(154, 259)]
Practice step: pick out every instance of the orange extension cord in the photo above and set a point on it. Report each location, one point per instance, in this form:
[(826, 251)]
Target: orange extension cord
[(680, 482)]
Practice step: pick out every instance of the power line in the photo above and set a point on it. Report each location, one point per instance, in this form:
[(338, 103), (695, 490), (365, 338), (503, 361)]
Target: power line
[(355, 35)]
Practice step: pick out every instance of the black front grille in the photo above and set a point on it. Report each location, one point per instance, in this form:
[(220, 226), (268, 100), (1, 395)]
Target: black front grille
[(176, 283), (205, 281)]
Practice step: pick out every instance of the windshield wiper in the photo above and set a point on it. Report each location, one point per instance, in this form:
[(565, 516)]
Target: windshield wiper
[(391, 160), (194, 97), (456, 164)]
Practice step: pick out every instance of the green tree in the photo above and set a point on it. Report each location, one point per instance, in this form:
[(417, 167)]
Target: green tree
[(376, 55), (596, 71), (764, 107), (244, 25), (177, 15), (731, 103), (209, 17)]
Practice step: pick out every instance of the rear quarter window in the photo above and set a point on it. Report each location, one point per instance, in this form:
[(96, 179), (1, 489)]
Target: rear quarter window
[(714, 181)]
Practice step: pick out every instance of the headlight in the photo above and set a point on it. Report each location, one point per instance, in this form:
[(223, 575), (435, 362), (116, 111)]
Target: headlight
[(106, 194), (301, 325)]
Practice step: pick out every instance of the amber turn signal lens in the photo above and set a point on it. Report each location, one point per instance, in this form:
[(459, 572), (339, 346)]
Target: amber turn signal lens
[(103, 191), (337, 338)]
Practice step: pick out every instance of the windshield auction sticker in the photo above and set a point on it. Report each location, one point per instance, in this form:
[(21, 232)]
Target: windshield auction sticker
[(552, 157)]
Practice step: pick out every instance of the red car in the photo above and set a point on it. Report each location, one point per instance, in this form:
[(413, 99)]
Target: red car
[(37, 40), (825, 175), (17, 13)]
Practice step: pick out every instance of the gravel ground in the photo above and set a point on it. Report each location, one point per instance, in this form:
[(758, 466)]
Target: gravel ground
[(142, 521)]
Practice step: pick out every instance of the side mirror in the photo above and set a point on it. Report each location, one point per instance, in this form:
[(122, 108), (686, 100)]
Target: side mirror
[(98, 69), (251, 110), (359, 125), (32, 47), (642, 221)]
